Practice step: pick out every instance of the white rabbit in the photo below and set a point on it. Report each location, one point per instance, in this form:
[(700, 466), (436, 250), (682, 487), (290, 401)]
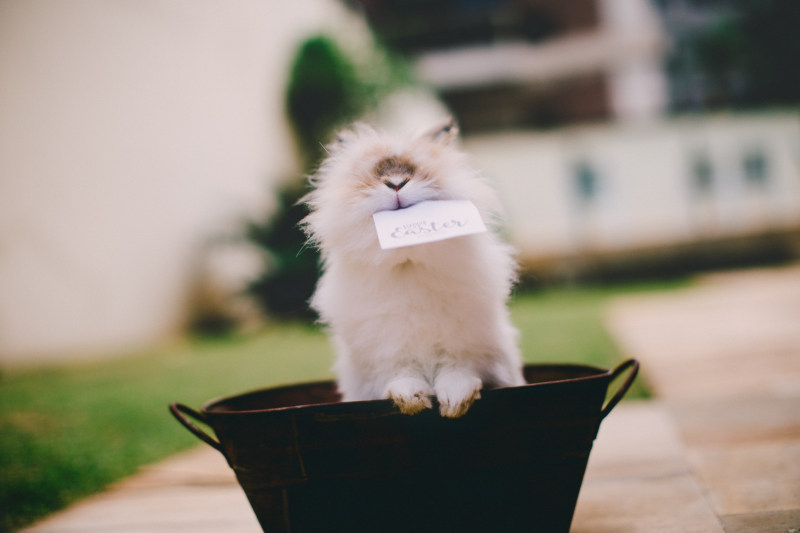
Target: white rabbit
[(418, 321)]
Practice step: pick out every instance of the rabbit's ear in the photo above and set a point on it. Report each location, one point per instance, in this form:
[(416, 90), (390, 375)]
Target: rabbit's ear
[(444, 133), (344, 137), (348, 136)]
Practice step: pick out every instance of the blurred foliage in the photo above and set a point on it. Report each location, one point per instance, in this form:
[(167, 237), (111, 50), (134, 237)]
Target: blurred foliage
[(284, 288), (327, 90), (324, 91), (770, 29), (745, 56)]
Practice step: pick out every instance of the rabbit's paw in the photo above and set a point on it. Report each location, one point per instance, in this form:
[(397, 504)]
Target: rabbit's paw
[(410, 395), (456, 391)]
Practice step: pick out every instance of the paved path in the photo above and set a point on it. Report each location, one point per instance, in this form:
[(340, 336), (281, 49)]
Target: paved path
[(724, 359), (719, 451)]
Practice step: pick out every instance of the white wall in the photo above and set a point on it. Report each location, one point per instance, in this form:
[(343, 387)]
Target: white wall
[(646, 195), (130, 133)]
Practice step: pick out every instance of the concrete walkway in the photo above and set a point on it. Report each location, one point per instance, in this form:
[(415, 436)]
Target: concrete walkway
[(724, 360), (718, 451)]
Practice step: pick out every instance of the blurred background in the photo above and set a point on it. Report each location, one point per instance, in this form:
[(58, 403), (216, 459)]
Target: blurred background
[(152, 154)]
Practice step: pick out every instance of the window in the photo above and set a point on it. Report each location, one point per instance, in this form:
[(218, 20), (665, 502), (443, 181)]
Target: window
[(756, 170), (586, 183), (702, 174)]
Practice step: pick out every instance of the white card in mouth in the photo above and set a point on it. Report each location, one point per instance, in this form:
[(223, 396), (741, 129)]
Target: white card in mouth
[(427, 222)]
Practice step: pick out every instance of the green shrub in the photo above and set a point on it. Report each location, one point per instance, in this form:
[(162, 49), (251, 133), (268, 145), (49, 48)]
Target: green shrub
[(324, 92), (327, 89), (284, 288)]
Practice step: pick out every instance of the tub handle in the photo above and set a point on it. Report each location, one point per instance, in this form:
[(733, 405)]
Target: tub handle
[(178, 410), (631, 364)]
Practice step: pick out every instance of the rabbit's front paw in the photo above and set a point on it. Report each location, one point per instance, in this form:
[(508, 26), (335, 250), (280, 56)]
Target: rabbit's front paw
[(456, 391), (410, 395)]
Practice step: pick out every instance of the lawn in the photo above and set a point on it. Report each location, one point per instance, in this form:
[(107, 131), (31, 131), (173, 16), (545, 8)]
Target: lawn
[(67, 432)]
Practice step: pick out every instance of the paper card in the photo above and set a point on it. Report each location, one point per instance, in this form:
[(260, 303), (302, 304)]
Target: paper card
[(427, 222)]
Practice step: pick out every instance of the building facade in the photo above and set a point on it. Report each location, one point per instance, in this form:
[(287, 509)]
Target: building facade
[(676, 194)]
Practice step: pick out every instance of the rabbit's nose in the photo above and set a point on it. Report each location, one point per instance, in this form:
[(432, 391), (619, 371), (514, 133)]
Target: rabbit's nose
[(396, 183)]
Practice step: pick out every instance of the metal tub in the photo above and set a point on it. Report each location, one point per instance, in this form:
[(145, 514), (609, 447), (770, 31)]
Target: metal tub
[(515, 462)]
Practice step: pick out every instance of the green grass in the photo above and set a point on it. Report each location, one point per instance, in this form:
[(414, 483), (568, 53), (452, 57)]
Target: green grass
[(67, 432), (567, 326)]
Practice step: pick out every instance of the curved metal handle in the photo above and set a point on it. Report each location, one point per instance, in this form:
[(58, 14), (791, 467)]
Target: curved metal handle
[(633, 364), (178, 410)]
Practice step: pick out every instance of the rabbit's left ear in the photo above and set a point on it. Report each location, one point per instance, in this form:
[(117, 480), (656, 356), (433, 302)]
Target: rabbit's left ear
[(344, 137), (444, 134)]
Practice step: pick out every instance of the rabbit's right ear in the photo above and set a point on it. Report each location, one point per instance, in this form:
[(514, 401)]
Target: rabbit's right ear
[(445, 133)]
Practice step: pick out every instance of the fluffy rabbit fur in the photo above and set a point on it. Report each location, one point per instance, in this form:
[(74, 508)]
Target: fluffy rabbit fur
[(413, 322)]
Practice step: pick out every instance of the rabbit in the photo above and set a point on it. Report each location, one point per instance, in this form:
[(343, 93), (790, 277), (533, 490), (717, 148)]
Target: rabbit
[(414, 322)]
